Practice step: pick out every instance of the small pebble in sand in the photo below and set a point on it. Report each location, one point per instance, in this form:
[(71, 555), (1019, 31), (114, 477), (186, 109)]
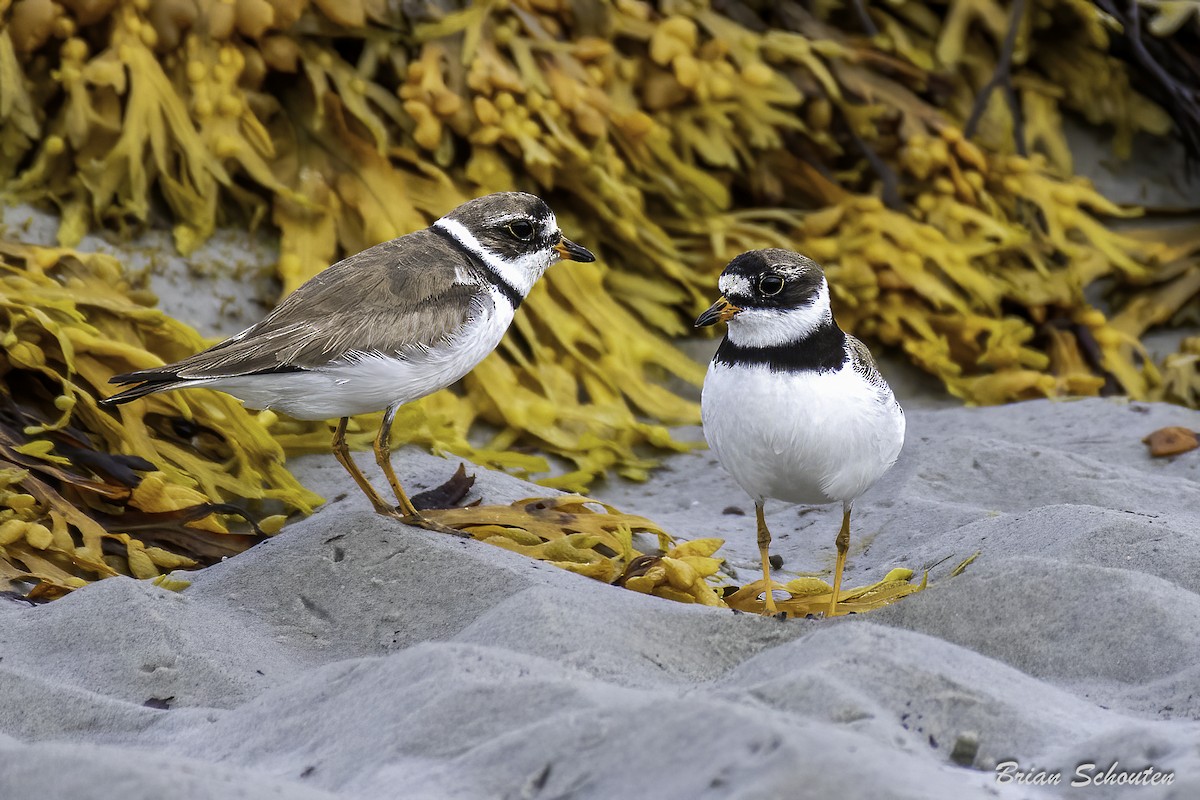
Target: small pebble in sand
[(966, 747)]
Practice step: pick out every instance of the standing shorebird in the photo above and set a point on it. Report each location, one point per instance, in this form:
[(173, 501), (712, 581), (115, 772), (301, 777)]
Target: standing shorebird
[(794, 407), (382, 328)]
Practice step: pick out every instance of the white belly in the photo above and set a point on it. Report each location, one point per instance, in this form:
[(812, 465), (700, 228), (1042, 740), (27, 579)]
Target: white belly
[(367, 383), (802, 437)]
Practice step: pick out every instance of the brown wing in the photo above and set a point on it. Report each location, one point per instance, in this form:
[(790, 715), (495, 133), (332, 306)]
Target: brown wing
[(391, 298)]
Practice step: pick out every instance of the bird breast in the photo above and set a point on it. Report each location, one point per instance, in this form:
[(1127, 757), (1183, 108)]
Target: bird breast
[(801, 437)]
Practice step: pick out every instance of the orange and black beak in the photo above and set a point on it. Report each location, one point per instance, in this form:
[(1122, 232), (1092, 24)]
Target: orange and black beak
[(720, 311), (569, 251)]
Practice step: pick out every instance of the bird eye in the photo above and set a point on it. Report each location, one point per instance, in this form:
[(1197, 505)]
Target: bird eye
[(770, 285), (522, 229)]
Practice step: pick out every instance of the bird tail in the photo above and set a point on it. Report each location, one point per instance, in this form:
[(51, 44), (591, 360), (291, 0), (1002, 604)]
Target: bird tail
[(148, 381)]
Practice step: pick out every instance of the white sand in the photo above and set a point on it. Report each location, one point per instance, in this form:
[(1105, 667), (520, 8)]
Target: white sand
[(354, 657)]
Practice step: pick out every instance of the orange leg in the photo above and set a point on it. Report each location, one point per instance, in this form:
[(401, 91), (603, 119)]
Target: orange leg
[(383, 457), (843, 545), (341, 452), (764, 543)]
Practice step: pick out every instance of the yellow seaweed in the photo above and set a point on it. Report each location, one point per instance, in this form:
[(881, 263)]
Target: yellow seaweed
[(668, 138)]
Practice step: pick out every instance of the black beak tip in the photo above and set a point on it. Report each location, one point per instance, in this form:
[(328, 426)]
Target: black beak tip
[(574, 252)]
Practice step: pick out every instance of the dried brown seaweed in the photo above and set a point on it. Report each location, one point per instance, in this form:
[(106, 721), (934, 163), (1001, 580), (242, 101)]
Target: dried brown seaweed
[(85, 494)]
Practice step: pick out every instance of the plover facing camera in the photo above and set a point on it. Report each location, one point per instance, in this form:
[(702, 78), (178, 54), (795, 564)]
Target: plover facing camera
[(382, 328), (794, 407)]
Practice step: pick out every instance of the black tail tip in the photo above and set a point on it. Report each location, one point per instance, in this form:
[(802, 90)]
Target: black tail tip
[(132, 393)]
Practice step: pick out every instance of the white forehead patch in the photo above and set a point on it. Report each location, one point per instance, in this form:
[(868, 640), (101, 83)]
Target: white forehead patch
[(771, 327), (734, 284)]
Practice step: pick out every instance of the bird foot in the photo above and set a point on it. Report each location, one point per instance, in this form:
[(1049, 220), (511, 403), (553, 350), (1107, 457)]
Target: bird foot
[(810, 597), (419, 520), (423, 521), (422, 506)]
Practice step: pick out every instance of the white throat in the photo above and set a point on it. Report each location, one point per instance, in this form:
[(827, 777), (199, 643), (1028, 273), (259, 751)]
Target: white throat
[(519, 273), (769, 327)]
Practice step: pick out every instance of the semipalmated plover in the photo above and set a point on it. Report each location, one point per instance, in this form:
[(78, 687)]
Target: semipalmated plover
[(382, 328), (794, 407)]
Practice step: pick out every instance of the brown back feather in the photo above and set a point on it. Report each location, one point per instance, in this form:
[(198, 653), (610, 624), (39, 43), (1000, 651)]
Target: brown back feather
[(391, 298)]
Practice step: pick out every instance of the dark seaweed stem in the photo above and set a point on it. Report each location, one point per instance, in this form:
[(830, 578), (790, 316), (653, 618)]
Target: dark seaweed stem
[(1143, 55), (864, 18), (887, 176), (1018, 118), (1002, 77), (1180, 96)]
